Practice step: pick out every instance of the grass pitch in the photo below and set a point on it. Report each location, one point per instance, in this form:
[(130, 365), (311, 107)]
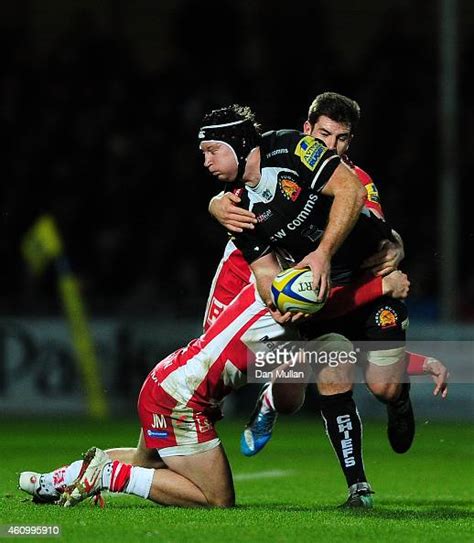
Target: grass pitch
[(289, 492)]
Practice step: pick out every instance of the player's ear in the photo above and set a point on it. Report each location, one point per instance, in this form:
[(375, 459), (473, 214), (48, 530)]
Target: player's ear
[(307, 127)]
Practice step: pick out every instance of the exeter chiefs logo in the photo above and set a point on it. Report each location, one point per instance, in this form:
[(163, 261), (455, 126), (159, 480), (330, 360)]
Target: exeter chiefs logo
[(289, 188), (386, 317)]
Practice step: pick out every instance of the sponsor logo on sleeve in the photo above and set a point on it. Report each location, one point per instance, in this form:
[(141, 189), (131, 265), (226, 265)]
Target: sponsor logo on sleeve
[(372, 193), (310, 152)]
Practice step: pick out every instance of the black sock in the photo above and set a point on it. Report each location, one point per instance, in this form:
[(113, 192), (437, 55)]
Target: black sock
[(404, 395), (344, 429)]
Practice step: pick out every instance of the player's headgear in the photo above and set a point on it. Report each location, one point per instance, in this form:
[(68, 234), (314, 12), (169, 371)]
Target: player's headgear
[(235, 127)]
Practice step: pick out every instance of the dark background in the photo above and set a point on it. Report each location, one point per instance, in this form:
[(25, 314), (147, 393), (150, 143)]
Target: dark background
[(100, 103)]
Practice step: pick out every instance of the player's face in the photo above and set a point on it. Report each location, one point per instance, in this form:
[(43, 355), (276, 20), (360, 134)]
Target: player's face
[(220, 160), (336, 136)]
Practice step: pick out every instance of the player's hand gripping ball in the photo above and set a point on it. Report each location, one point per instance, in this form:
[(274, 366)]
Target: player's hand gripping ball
[(292, 290)]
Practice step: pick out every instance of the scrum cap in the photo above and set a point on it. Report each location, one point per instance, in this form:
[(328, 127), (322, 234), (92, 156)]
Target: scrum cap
[(240, 135)]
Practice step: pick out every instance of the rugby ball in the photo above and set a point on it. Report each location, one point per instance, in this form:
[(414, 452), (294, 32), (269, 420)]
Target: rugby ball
[(292, 290)]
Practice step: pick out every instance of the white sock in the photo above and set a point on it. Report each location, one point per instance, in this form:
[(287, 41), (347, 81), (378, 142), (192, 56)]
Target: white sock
[(140, 482), (72, 471), (107, 475)]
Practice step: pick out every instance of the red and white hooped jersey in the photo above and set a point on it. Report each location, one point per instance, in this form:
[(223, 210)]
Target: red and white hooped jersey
[(201, 374), (180, 399), (233, 274)]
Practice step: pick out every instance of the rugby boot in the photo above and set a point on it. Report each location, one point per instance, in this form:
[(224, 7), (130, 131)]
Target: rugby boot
[(258, 430), (89, 481), (39, 486), (360, 496)]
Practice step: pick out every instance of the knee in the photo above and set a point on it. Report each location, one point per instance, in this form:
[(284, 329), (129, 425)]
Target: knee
[(222, 501), (288, 399), (386, 392), (331, 389), (287, 407), (339, 369)]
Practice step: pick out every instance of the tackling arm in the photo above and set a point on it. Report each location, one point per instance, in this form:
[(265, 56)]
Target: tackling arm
[(225, 209), (388, 257), (349, 195)]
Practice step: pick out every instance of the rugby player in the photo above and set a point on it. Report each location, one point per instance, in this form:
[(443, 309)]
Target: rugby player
[(49, 485), (279, 168), (332, 118), (39, 485), (179, 459)]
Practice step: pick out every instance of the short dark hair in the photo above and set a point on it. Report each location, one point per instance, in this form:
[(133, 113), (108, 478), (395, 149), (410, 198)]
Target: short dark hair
[(337, 107), (231, 113)]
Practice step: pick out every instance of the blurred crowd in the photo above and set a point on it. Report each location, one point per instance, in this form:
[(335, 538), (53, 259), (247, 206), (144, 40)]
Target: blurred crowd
[(108, 147)]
